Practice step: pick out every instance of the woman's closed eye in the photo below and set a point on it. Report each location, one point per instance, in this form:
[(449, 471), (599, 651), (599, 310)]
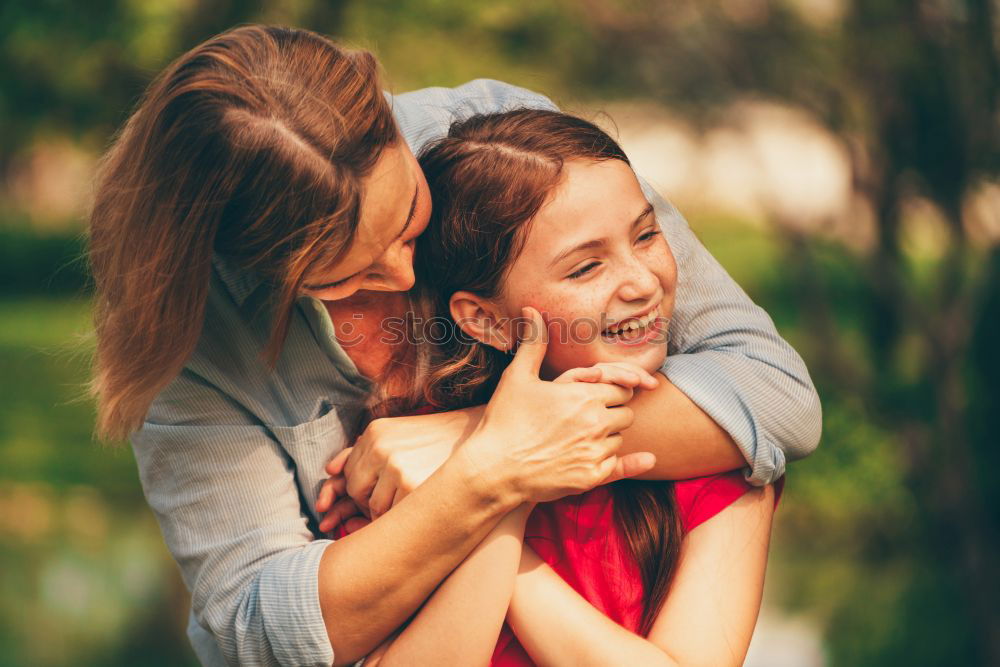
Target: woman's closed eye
[(336, 283)]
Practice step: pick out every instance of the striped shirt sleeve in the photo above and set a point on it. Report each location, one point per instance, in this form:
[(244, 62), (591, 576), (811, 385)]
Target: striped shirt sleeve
[(228, 506), (727, 356)]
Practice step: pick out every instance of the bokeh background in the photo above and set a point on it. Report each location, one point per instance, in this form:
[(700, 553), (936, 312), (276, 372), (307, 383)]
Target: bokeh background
[(840, 157)]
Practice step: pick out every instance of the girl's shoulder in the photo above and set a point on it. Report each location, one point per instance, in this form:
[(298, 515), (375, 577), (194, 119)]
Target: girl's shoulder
[(701, 498)]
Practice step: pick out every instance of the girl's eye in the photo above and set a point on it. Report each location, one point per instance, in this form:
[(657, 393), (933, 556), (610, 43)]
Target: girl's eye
[(649, 235), (579, 273)]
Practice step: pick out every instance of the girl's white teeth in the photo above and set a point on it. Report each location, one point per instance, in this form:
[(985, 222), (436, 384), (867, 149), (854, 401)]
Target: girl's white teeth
[(632, 325)]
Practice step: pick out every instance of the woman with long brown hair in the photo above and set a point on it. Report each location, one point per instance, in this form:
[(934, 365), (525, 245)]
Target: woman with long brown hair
[(536, 207), (253, 224)]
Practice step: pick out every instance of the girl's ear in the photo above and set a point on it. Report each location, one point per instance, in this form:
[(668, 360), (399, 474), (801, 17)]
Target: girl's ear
[(481, 319)]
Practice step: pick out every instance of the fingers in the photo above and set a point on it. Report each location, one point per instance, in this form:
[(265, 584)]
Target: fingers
[(360, 489), (382, 496), (606, 468), (325, 497), (619, 419), (626, 374), (649, 381), (622, 376), (610, 394), (361, 478), (631, 465), (342, 510), (621, 373), (585, 374), (532, 345), (333, 488), (337, 463)]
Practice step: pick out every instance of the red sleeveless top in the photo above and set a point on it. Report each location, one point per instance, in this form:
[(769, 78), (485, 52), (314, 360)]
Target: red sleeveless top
[(578, 537)]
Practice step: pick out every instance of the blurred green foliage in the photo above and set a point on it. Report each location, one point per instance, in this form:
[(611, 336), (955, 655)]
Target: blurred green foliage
[(34, 263), (887, 535), (85, 576)]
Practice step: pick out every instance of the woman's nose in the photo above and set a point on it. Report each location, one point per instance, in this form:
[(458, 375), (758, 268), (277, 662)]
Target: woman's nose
[(394, 271)]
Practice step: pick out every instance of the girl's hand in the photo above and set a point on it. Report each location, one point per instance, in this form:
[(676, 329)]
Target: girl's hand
[(621, 373), (337, 508)]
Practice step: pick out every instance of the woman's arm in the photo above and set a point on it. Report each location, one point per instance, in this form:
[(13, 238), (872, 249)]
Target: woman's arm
[(687, 442), (707, 619), (461, 621), (263, 589), (728, 358), (266, 591), (388, 463)]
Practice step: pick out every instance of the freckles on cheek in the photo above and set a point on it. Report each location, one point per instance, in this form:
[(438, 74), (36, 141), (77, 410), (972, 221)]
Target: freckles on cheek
[(573, 327), (542, 302)]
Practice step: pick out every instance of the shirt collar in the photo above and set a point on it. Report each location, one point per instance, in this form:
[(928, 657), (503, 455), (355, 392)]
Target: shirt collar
[(240, 282)]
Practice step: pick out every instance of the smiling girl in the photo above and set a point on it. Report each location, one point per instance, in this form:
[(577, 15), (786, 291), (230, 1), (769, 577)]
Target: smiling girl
[(540, 211)]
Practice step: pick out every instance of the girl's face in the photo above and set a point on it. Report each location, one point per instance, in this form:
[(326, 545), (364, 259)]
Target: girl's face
[(598, 268)]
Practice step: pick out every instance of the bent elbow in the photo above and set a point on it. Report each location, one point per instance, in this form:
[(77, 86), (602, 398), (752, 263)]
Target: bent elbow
[(808, 426)]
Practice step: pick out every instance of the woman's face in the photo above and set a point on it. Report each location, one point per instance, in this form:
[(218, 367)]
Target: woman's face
[(598, 268), (395, 209)]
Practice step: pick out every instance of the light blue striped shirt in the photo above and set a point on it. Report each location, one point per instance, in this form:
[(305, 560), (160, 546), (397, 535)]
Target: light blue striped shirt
[(231, 455)]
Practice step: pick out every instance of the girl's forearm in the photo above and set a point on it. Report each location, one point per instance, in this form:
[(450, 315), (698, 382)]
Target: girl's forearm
[(687, 442), (707, 619), (460, 622), (371, 581), (556, 626)]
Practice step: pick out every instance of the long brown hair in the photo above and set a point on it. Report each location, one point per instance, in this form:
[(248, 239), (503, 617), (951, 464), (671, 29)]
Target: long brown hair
[(488, 178), (253, 146)]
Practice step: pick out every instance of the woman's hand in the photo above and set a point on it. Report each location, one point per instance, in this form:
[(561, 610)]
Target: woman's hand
[(395, 455), (391, 458), (621, 373), (539, 441), (573, 430)]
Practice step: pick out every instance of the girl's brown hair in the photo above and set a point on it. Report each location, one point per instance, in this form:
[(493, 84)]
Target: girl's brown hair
[(252, 145), (488, 178)]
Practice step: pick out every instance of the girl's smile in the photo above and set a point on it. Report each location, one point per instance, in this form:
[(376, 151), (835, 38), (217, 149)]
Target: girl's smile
[(595, 263)]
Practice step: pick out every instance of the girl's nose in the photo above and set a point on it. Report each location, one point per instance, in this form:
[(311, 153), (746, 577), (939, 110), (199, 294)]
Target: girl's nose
[(638, 284)]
